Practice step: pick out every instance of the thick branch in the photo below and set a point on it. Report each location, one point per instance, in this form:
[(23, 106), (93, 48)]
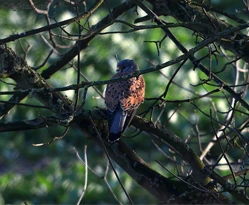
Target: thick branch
[(15, 67)]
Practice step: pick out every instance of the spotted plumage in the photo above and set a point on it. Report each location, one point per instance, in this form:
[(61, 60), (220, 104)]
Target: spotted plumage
[(122, 99)]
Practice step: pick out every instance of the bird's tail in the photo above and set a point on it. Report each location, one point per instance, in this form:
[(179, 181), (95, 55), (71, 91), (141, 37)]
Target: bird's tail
[(116, 124)]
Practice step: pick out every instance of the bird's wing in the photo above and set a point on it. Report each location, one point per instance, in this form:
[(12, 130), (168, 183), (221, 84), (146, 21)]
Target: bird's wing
[(116, 123), (134, 96)]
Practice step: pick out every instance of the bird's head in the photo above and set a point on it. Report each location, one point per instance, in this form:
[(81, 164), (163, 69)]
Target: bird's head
[(126, 66)]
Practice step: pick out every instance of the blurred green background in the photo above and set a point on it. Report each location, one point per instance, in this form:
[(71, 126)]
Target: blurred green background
[(52, 174)]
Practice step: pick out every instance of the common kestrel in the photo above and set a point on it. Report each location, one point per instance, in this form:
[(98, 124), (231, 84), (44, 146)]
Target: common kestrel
[(122, 98)]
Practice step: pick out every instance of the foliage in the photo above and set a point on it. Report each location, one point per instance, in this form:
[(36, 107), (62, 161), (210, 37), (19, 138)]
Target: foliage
[(209, 116)]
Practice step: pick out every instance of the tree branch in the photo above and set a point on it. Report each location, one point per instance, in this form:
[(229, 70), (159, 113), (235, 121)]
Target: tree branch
[(184, 11), (52, 26)]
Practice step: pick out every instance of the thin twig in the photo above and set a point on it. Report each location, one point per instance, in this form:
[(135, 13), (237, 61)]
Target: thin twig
[(86, 176)]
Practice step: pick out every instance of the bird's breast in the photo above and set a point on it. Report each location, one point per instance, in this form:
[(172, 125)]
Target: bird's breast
[(128, 93)]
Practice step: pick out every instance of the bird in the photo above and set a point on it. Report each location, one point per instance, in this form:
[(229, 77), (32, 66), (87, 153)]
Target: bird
[(122, 99)]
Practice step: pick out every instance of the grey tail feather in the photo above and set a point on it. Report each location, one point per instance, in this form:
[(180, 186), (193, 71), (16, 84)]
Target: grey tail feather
[(116, 123)]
